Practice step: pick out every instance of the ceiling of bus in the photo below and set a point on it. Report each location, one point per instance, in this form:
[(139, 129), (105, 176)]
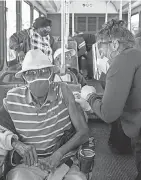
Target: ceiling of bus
[(54, 6)]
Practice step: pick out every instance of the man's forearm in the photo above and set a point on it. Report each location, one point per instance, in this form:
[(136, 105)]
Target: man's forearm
[(78, 139)]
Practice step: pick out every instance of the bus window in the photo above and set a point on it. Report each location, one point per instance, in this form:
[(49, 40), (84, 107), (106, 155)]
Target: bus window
[(25, 15), (101, 22), (91, 23), (36, 14), (11, 25), (135, 23), (81, 24)]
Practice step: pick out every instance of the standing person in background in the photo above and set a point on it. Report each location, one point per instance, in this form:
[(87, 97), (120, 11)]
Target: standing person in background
[(89, 41), (81, 51), (37, 37)]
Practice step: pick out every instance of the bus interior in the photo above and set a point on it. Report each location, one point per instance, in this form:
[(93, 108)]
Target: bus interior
[(68, 18)]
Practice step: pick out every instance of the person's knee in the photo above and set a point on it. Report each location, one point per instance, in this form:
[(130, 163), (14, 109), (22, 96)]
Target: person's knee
[(75, 174), (19, 174), (78, 176)]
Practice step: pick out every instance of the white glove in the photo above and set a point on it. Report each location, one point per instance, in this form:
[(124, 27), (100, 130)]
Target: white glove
[(83, 103), (86, 91)]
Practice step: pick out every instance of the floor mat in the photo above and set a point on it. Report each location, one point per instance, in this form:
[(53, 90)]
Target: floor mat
[(109, 166)]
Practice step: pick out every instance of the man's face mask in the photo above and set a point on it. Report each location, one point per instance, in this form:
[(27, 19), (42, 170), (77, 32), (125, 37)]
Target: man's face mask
[(38, 81), (44, 31)]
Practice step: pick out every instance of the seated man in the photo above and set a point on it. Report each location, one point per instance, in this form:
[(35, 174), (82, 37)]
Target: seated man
[(68, 54), (36, 116)]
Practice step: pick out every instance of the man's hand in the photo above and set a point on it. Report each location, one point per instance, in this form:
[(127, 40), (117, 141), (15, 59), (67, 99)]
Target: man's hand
[(77, 95), (51, 163), (21, 55), (27, 152)]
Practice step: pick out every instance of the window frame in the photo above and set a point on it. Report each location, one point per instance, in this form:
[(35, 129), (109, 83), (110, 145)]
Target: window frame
[(6, 23), (35, 9), (97, 16)]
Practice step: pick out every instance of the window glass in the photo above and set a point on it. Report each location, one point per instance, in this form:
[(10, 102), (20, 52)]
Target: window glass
[(91, 23), (36, 14), (81, 24), (101, 22), (11, 26), (135, 23), (25, 15)]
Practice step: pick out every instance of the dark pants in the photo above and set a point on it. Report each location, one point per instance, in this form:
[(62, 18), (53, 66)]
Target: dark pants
[(125, 145), (136, 143), (90, 64), (118, 141), (82, 63)]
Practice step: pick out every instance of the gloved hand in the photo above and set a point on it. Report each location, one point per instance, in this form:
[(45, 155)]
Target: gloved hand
[(83, 103), (86, 91)]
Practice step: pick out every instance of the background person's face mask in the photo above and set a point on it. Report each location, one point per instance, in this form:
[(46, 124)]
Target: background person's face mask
[(39, 87), (103, 64)]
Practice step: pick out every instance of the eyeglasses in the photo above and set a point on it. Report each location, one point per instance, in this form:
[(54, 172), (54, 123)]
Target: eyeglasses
[(37, 73), (47, 28), (103, 42)]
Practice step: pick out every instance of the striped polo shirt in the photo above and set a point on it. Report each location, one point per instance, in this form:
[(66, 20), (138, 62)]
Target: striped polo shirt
[(40, 126)]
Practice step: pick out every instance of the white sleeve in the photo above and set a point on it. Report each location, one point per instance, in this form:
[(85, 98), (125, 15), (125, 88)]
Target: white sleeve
[(5, 139)]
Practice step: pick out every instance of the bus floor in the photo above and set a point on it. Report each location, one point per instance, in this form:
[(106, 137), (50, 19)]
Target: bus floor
[(109, 166)]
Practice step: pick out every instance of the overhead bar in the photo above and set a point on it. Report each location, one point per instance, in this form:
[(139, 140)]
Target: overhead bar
[(62, 36), (72, 24), (106, 15), (64, 31), (120, 10), (66, 22), (129, 15)]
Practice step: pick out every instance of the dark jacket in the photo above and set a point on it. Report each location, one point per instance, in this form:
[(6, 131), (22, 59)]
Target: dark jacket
[(89, 39), (81, 46), (122, 97)]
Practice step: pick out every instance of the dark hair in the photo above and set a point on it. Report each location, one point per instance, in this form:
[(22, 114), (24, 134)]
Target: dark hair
[(41, 22), (116, 29)]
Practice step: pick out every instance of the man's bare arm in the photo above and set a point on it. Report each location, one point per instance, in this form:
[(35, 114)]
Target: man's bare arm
[(79, 123)]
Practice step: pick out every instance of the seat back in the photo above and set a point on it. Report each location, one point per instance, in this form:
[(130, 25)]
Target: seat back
[(73, 83)]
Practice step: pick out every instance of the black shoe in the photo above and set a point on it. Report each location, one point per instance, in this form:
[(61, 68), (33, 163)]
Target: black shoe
[(119, 150)]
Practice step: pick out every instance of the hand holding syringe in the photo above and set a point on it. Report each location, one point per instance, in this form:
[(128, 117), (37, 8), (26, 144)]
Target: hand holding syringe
[(82, 97)]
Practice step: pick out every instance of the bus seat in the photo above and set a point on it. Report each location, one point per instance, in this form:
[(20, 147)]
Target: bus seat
[(7, 82), (69, 78)]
